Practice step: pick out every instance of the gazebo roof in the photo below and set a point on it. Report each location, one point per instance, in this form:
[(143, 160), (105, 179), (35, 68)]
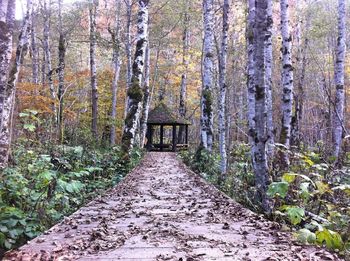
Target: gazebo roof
[(161, 114)]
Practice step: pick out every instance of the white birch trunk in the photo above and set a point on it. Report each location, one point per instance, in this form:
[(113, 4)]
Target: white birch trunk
[(260, 135), (207, 77), (268, 73), (7, 18), (223, 86), (93, 73), (7, 105), (339, 81), (251, 71), (128, 54), (34, 51), (47, 52), (135, 91), (116, 64), (146, 99), (287, 80)]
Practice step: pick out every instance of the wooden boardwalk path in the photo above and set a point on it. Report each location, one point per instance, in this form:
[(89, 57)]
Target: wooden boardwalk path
[(163, 211)]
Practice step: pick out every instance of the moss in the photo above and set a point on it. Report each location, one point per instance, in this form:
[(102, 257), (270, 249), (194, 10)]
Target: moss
[(208, 101), (135, 92)]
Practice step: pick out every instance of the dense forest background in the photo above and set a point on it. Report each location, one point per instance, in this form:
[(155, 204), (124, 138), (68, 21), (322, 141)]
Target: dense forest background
[(70, 99)]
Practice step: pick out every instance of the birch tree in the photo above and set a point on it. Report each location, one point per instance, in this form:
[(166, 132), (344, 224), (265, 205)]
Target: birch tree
[(7, 19), (207, 77), (93, 73), (128, 48), (47, 54), (34, 51), (146, 98), (287, 80), (250, 71), (260, 132), (61, 70), (339, 81), (135, 92), (116, 64), (223, 86), (185, 63), (268, 75)]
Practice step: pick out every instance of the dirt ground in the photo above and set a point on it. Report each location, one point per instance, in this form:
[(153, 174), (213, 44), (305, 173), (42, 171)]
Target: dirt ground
[(163, 211)]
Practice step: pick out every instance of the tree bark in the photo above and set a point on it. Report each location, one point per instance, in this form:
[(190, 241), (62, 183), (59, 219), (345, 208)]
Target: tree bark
[(223, 86), (128, 54), (135, 92), (185, 63), (146, 99), (7, 20), (61, 69), (207, 77), (116, 64), (47, 55), (268, 73), (338, 117), (34, 51), (93, 73), (287, 81), (260, 135)]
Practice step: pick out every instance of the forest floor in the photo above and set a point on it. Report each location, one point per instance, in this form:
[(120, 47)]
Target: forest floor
[(164, 211)]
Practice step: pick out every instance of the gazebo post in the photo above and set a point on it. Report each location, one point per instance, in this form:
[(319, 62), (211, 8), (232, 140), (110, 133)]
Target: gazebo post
[(161, 136), (186, 135), (174, 137)]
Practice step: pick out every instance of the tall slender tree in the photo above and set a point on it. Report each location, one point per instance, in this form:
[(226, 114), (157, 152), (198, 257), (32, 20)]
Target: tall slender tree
[(185, 63), (116, 64), (61, 71), (287, 80), (34, 50), (93, 72), (7, 18), (223, 86), (339, 81), (46, 10), (207, 77), (260, 132), (135, 91)]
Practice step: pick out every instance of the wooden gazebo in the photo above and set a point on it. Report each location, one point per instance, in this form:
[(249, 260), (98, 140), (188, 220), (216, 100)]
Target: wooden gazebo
[(161, 116)]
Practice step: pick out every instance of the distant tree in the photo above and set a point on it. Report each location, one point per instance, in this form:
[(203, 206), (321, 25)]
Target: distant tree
[(117, 61), (93, 73)]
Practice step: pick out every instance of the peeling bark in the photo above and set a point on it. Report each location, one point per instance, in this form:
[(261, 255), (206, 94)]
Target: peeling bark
[(146, 99), (34, 51), (135, 92), (207, 77)]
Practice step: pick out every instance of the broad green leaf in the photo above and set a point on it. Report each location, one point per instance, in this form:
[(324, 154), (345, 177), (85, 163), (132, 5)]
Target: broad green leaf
[(331, 238), (29, 127), (278, 189), (295, 214), (306, 236), (304, 190)]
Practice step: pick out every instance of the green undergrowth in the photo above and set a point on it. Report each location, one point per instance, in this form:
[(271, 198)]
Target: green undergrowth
[(311, 198), (44, 185)]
